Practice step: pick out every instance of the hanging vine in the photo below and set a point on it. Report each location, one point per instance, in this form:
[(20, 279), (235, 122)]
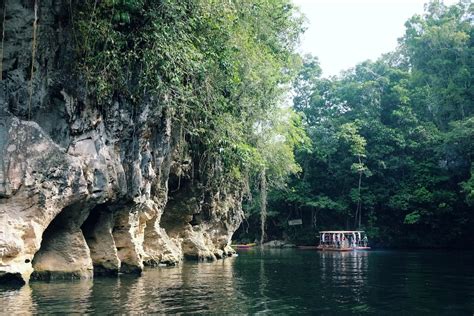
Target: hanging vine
[(263, 205), (3, 38), (33, 56)]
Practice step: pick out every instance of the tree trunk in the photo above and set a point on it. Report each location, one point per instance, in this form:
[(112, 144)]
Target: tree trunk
[(358, 214), (263, 205)]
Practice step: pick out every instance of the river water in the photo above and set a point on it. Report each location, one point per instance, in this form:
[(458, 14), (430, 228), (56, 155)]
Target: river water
[(274, 282)]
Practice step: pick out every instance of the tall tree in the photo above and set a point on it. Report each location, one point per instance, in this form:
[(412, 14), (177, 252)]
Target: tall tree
[(392, 139)]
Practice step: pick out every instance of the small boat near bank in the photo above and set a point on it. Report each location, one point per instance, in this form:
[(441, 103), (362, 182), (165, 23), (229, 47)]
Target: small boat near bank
[(307, 247), (244, 246), (342, 240)]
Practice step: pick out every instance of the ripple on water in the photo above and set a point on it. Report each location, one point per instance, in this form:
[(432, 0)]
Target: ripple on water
[(269, 282)]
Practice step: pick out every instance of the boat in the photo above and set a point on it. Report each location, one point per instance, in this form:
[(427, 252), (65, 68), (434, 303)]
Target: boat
[(244, 246), (342, 240), (325, 248), (307, 247)]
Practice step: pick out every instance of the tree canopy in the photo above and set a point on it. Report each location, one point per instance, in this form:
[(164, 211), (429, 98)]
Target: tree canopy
[(392, 140), (222, 68)]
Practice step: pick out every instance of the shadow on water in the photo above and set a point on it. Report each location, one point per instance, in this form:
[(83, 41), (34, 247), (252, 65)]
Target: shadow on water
[(270, 281)]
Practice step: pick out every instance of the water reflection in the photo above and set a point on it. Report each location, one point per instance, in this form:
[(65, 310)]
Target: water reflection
[(276, 281), (346, 273), (191, 288), (62, 297), (18, 301), (263, 283)]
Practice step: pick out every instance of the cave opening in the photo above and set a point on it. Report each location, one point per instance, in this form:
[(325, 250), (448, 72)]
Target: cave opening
[(182, 207), (64, 253), (98, 233)]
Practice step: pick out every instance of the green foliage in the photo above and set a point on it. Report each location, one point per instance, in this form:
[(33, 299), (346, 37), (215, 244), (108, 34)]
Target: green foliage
[(438, 46), (412, 218), (393, 138), (349, 133), (222, 68)]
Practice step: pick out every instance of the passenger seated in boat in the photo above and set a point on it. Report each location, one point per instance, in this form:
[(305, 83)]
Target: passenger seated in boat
[(344, 242)]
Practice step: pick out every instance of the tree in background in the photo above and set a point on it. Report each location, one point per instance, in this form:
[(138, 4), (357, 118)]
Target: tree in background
[(407, 119)]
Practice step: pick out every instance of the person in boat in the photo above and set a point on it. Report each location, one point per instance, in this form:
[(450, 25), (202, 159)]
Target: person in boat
[(365, 240)]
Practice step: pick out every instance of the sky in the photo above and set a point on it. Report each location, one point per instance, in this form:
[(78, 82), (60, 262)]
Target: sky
[(342, 33)]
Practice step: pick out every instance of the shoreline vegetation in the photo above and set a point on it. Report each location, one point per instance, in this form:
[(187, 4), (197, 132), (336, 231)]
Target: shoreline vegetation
[(392, 143), (282, 244)]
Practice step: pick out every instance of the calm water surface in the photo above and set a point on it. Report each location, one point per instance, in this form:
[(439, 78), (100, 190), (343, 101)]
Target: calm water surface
[(273, 282)]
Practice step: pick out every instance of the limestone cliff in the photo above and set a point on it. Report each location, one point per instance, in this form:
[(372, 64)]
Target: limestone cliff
[(84, 189)]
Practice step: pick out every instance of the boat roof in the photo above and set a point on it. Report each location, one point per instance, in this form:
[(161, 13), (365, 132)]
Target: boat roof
[(340, 231)]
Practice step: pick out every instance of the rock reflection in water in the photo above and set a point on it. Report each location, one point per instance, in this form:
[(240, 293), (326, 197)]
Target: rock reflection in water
[(43, 297), (270, 281), (62, 296), (17, 301), (191, 288)]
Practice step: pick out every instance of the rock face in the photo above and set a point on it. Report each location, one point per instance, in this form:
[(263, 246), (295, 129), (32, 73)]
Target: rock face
[(84, 189)]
